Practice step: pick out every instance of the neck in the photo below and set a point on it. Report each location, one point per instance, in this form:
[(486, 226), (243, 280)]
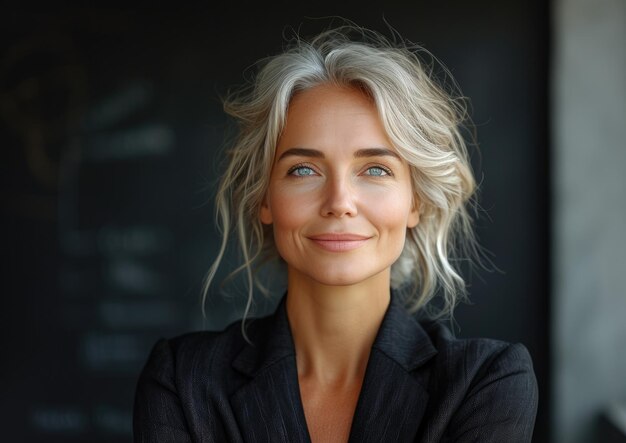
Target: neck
[(334, 327)]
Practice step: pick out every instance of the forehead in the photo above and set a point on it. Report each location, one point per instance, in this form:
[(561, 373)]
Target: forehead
[(332, 118)]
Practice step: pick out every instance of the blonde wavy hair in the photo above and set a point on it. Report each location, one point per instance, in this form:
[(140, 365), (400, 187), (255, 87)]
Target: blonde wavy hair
[(424, 118)]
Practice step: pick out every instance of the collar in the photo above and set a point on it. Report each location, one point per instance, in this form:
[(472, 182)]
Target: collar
[(393, 395), (400, 337)]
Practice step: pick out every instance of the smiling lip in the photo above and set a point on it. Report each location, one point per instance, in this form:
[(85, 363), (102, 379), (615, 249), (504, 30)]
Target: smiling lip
[(339, 242)]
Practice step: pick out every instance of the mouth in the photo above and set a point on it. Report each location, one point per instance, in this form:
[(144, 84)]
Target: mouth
[(334, 242)]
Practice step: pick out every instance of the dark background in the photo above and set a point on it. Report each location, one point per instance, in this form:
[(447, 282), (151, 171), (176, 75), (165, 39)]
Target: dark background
[(110, 129)]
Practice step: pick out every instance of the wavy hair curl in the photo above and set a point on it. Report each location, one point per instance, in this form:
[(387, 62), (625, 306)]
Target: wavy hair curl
[(424, 118)]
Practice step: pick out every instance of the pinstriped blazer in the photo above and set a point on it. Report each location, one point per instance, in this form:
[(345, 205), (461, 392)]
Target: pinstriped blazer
[(421, 385)]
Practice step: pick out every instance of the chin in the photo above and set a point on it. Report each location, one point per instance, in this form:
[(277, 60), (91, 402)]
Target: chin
[(332, 277)]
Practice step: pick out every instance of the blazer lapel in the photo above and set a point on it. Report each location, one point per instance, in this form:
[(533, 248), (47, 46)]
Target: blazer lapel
[(393, 397), (268, 408)]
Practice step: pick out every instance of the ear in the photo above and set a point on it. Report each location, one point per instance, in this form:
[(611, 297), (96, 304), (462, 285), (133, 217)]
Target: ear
[(414, 215), (265, 214)]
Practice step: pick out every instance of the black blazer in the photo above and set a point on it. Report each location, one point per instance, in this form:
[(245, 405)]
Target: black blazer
[(421, 384)]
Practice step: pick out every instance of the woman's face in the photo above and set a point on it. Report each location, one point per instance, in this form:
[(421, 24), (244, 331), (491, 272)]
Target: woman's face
[(340, 197)]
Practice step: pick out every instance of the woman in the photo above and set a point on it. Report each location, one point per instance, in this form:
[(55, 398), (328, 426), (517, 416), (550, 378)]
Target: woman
[(350, 165)]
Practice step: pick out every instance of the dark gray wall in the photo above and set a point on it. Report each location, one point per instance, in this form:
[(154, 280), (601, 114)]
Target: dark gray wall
[(110, 126)]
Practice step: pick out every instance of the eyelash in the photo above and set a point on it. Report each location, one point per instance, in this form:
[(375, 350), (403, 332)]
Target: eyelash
[(299, 166), (386, 170), (294, 168)]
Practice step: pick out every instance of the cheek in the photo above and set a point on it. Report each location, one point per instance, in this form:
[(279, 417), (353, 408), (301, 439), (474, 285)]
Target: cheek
[(289, 219), (290, 211), (393, 227), (390, 210)]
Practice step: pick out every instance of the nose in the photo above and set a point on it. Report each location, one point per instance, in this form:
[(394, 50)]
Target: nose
[(339, 198)]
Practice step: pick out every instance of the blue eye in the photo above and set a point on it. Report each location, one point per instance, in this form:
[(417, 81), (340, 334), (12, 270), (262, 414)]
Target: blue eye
[(301, 171), (377, 171)]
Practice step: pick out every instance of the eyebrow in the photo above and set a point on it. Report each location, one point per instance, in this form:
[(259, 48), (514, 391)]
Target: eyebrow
[(314, 153)]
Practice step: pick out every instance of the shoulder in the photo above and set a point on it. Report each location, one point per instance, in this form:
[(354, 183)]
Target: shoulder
[(186, 358), (476, 354), (184, 388), (481, 387), (208, 348)]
